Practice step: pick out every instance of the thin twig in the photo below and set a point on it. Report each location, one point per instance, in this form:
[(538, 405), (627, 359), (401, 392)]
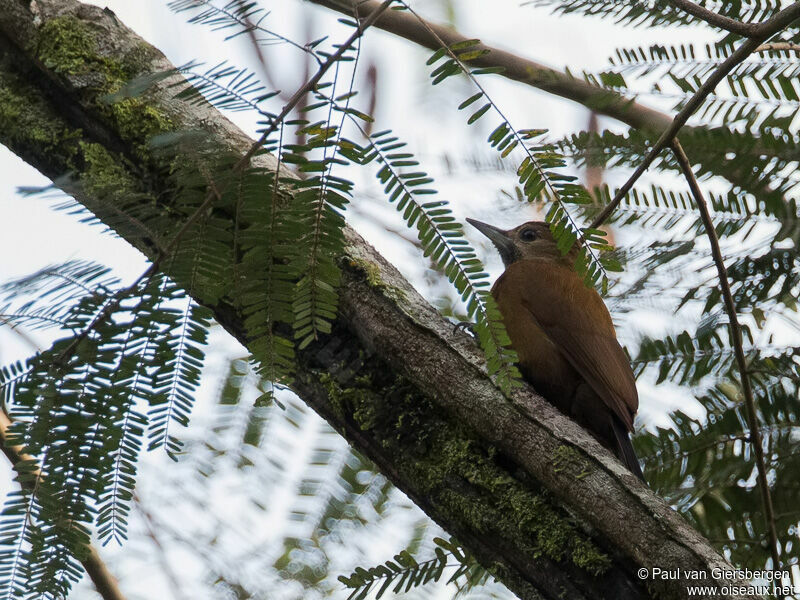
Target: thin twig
[(152, 533), (763, 31), (8, 319), (104, 582), (779, 47), (736, 336), (716, 19), (312, 82)]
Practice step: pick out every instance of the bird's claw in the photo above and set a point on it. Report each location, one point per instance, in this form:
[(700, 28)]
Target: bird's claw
[(467, 326)]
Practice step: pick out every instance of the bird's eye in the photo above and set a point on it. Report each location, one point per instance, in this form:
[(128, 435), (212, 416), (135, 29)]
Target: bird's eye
[(527, 235)]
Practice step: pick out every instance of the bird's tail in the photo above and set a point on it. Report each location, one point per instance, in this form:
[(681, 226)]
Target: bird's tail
[(625, 450)]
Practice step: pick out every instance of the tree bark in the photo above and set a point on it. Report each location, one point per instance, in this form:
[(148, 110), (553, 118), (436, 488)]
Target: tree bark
[(515, 67), (524, 488)]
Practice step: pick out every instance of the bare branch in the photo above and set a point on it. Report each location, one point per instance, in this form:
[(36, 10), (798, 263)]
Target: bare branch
[(764, 31), (715, 19), (515, 67), (152, 533), (779, 47), (738, 345)]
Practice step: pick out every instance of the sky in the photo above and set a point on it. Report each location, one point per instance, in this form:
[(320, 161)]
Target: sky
[(33, 235)]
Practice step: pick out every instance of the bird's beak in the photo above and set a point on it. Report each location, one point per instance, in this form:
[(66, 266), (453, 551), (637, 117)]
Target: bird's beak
[(503, 243)]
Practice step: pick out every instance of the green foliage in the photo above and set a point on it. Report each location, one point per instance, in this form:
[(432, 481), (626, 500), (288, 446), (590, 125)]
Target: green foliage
[(241, 16), (179, 358), (442, 240), (702, 466), (321, 198), (226, 87), (77, 411), (537, 170), (769, 77), (265, 293), (759, 93), (344, 488), (675, 209), (404, 572), (659, 13), (758, 167)]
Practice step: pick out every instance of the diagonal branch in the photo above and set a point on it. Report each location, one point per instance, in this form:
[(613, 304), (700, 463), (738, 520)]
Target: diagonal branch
[(779, 47), (153, 534), (741, 361), (716, 19), (516, 68), (763, 32)]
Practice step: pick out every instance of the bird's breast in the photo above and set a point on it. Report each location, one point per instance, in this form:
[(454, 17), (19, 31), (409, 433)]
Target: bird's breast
[(539, 359)]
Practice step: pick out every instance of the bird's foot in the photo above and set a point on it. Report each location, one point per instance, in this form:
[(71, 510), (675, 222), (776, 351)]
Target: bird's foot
[(467, 326)]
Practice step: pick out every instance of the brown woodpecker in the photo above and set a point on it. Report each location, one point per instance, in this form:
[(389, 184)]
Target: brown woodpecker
[(563, 335)]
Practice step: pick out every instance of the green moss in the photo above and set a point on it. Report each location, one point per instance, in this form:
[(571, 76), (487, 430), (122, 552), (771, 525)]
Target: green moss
[(461, 474), (589, 558), (137, 121), (372, 274), (568, 459), (68, 47), (102, 172), (341, 397), (27, 126)]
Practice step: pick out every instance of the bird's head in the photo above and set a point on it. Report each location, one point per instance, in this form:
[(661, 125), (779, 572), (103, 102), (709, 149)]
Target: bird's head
[(531, 240)]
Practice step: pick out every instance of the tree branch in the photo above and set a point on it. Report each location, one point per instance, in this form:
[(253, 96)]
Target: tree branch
[(715, 19), (522, 486), (738, 345), (779, 47), (762, 32), (516, 68), (166, 568), (537, 75)]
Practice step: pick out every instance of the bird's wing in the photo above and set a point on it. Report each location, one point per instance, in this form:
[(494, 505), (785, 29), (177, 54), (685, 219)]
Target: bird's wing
[(576, 320)]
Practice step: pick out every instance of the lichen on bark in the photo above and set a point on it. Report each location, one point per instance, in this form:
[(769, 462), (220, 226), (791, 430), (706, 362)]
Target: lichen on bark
[(68, 47), (453, 467)]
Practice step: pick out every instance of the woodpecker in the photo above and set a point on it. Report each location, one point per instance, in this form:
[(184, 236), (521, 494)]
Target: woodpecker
[(563, 336)]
